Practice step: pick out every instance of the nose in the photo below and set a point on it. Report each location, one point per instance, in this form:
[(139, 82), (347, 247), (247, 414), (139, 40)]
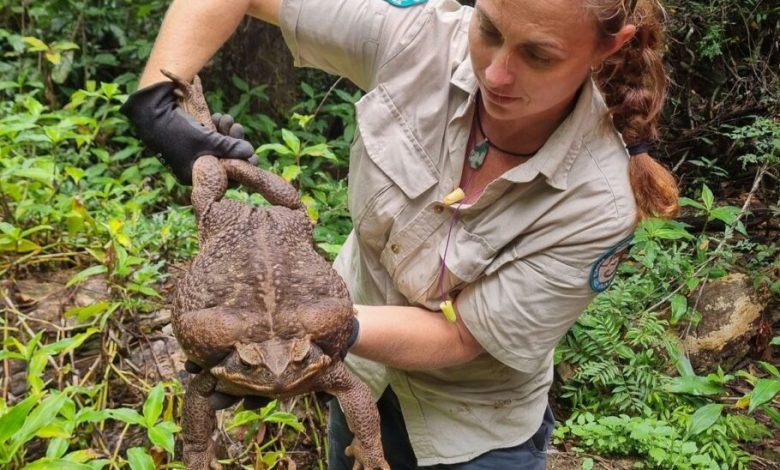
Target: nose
[(499, 73)]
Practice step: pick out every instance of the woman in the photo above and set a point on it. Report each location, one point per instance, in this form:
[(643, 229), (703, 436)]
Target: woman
[(489, 189)]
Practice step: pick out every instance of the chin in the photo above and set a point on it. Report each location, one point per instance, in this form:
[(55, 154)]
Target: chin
[(506, 111)]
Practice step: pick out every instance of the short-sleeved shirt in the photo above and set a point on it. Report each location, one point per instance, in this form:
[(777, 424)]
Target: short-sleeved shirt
[(519, 258)]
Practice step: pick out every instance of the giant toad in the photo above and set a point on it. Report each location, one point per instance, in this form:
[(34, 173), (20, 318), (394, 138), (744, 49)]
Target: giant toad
[(259, 310)]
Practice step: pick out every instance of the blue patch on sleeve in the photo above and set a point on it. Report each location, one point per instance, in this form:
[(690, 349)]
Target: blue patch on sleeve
[(606, 266), (405, 3)]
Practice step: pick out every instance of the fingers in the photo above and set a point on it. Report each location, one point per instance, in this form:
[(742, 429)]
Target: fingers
[(227, 126), (228, 147), (220, 401)]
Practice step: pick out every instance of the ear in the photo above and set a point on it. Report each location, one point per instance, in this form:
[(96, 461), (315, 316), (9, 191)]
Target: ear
[(618, 41)]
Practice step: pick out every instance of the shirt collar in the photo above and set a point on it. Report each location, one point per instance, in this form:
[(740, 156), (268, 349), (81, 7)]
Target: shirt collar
[(556, 157)]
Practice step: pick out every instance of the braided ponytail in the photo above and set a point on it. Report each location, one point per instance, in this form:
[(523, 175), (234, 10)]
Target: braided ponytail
[(634, 82)]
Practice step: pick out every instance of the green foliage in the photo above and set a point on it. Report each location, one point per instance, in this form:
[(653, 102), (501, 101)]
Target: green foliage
[(77, 191), (679, 440), (622, 351)]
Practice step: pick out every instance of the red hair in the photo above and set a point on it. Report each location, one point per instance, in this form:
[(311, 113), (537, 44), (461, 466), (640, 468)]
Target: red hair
[(634, 83)]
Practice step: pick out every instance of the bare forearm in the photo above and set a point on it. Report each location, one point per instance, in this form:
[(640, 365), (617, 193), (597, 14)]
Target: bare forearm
[(193, 30), (412, 338)]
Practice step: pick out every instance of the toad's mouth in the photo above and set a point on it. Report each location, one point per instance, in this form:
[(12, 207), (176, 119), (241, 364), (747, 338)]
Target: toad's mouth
[(261, 381)]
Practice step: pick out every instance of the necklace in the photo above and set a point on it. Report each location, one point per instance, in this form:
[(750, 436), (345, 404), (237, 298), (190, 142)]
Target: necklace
[(477, 155)]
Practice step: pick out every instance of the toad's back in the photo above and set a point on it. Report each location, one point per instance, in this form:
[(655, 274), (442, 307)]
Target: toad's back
[(259, 264)]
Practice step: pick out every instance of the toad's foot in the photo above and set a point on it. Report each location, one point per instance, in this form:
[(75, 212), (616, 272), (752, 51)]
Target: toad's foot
[(365, 460)]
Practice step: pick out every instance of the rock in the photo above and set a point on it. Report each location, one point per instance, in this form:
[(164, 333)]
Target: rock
[(731, 310)]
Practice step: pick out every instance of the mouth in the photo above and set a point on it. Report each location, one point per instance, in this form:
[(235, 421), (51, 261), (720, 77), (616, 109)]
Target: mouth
[(498, 98)]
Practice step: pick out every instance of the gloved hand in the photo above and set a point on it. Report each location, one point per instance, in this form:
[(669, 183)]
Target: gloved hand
[(176, 135), (220, 401)]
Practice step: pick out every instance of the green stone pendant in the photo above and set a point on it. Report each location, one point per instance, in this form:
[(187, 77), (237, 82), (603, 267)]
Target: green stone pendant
[(477, 156)]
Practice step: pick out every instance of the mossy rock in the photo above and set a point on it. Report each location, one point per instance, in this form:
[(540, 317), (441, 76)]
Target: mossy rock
[(731, 309)]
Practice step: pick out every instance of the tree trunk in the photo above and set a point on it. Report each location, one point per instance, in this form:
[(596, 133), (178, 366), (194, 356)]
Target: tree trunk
[(258, 55)]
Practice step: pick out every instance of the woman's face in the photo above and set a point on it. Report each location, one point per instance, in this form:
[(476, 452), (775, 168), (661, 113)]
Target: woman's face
[(531, 56)]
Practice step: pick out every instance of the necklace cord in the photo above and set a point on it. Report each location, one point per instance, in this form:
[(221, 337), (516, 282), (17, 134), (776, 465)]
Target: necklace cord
[(491, 143)]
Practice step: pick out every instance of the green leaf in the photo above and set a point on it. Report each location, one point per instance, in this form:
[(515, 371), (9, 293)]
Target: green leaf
[(679, 308), (34, 44), (240, 84), (42, 415), (319, 150), (278, 148), (285, 418), (775, 341), (54, 57), (727, 214), (41, 175), (707, 197), (67, 345), (139, 459), (13, 420), (84, 274), (705, 417), (19, 246), (692, 385), (161, 437), (587, 463), (292, 141), (56, 464), (764, 391), (771, 369), (127, 415), (657, 454), (291, 172), (242, 418), (82, 456), (153, 405), (89, 311), (57, 448), (64, 46), (684, 201)]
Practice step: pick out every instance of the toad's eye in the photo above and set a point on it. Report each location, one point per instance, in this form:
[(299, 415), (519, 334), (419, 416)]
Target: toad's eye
[(244, 362)]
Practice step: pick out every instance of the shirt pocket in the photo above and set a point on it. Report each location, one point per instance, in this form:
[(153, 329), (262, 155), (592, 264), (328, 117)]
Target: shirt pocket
[(389, 167)]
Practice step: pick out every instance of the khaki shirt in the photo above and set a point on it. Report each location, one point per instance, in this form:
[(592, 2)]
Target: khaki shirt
[(520, 256)]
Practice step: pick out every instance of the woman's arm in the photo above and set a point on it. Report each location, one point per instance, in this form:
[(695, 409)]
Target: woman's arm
[(193, 31), (413, 338)]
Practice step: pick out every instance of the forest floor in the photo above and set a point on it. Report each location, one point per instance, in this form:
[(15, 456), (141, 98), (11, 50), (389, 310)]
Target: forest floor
[(146, 352)]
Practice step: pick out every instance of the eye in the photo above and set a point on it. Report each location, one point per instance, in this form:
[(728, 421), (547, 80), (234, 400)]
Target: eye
[(538, 58), (244, 362), (489, 33)]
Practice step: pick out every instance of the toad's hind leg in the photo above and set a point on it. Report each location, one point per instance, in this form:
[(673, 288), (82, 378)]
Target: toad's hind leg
[(198, 422), (362, 416), (272, 187)]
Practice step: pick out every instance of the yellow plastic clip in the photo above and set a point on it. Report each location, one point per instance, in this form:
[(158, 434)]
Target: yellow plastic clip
[(453, 197), (448, 310)]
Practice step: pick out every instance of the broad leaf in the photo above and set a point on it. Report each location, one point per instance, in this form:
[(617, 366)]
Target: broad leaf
[(765, 390), (705, 417), (139, 459)]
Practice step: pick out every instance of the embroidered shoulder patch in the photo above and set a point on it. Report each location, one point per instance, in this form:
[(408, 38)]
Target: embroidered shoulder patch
[(604, 269), (405, 3)]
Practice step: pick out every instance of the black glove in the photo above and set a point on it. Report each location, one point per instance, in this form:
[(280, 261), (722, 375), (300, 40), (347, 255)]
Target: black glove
[(220, 401), (176, 135)]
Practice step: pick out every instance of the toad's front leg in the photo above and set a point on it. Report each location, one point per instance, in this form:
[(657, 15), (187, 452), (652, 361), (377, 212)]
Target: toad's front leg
[(199, 421), (362, 416)]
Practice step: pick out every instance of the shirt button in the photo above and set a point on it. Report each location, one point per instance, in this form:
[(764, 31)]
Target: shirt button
[(438, 208), (395, 248)]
